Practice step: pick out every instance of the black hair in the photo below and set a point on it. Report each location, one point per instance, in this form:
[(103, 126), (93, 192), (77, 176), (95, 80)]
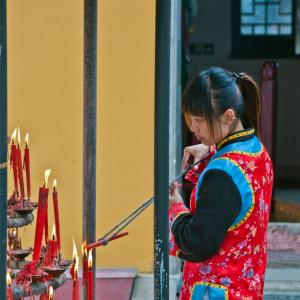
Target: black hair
[(215, 90)]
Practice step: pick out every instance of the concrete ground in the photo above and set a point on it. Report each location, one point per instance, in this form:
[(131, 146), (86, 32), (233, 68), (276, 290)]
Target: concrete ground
[(280, 285)]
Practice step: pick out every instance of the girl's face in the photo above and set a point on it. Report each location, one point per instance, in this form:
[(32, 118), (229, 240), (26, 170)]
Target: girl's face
[(200, 128)]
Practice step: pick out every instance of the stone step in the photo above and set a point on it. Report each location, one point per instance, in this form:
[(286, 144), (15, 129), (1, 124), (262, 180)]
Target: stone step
[(280, 284)]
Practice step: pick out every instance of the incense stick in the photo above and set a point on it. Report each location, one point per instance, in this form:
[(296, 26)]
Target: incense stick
[(140, 209)]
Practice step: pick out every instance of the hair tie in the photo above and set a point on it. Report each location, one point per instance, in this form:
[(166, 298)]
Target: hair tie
[(238, 76)]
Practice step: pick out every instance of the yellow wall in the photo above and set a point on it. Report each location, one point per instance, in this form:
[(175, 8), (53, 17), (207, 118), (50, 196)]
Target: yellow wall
[(45, 87)]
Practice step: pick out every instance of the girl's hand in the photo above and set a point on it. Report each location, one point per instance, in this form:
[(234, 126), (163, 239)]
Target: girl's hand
[(174, 195), (196, 151)]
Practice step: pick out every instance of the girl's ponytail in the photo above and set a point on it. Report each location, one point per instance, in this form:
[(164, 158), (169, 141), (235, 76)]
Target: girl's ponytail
[(252, 101)]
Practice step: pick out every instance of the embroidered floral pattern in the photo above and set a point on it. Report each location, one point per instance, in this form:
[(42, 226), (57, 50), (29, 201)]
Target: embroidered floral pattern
[(240, 262)]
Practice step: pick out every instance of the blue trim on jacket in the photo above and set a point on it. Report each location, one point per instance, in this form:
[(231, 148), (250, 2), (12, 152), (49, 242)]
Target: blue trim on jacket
[(251, 147)]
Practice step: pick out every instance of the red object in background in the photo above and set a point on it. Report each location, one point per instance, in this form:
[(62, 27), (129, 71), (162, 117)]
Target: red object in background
[(85, 271), (13, 163), (104, 242), (26, 166), (40, 222), (20, 172), (90, 277), (112, 284), (74, 275), (52, 252), (269, 92), (44, 296), (46, 224), (54, 249), (84, 263), (9, 293), (56, 216), (90, 286), (75, 290)]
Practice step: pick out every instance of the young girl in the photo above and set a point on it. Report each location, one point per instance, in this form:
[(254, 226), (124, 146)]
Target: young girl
[(222, 235)]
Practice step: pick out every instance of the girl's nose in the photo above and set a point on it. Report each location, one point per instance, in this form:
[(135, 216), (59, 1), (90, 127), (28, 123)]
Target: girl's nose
[(193, 127)]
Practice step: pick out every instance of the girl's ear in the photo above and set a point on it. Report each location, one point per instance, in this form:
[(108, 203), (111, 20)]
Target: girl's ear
[(228, 117)]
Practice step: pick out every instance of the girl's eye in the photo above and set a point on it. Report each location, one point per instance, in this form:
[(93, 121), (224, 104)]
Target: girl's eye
[(199, 120)]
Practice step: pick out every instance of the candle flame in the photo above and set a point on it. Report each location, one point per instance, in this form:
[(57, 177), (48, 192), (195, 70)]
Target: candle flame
[(8, 279), (19, 136), (76, 267), (75, 254), (50, 291), (27, 139), (54, 183), (90, 260), (47, 174), (14, 135), (14, 233), (53, 233), (83, 249)]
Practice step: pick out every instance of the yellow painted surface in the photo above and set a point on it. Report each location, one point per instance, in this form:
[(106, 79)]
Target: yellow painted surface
[(45, 90)]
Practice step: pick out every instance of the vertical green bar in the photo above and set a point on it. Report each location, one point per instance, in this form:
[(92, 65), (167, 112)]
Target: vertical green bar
[(3, 148), (161, 168), (90, 127)]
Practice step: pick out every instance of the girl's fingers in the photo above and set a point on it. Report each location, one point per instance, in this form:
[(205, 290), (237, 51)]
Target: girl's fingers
[(185, 159), (172, 188)]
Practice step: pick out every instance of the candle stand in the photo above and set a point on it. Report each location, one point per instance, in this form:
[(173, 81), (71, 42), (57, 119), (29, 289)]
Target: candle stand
[(47, 267), (31, 278)]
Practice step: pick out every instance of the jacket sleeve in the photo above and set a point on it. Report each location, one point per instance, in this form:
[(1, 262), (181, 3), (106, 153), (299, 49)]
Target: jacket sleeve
[(198, 236), (178, 209)]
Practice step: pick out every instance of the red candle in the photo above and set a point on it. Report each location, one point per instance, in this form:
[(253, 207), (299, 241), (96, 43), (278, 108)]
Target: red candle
[(56, 213), (75, 292), (54, 244), (26, 166), (52, 249), (13, 161), (20, 169), (9, 292), (46, 224), (41, 217), (20, 172), (75, 258), (74, 274), (85, 264), (90, 285), (44, 296)]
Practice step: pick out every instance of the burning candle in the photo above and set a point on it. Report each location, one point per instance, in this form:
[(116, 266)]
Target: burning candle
[(19, 166), (74, 274), (13, 161), (52, 249), (90, 285), (26, 166), (50, 293), (74, 257), (41, 217), (85, 263), (54, 244), (56, 213), (9, 293), (46, 223)]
